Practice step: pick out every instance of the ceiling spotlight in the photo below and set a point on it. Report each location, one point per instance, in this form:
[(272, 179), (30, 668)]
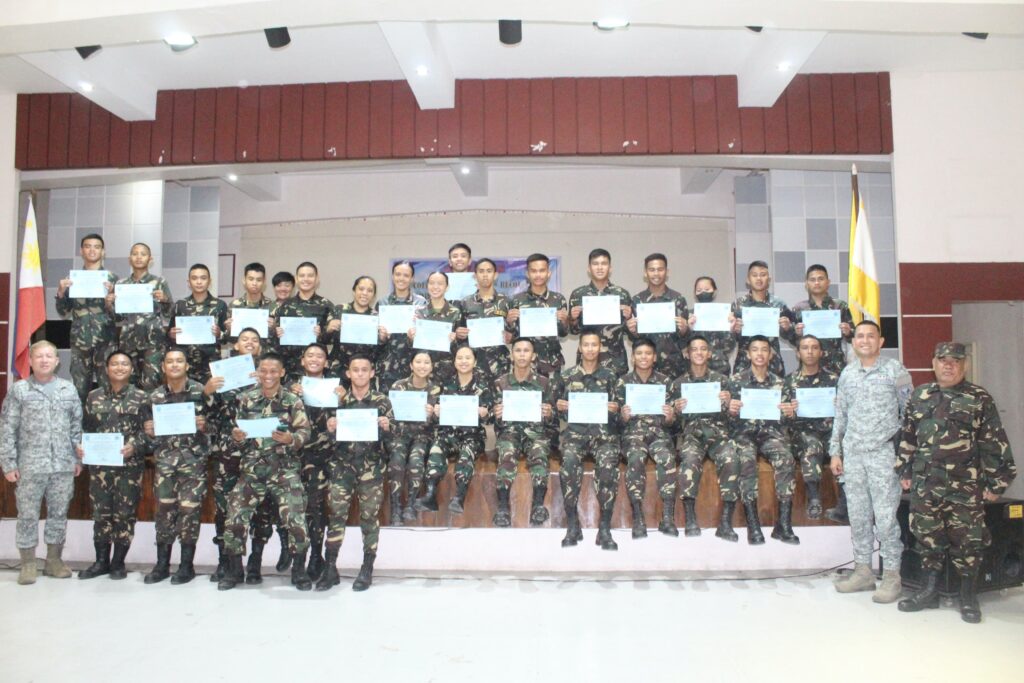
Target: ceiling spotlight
[(465, 170), (85, 86), (510, 31), (755, 29), (784, 66), (277, 37), (976, 36), (179, 42), (232, 177), (611, 23), (422, 70), (87, 51)]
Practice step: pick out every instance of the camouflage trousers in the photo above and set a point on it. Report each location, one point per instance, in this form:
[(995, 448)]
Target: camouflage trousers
[(406, 462), (147, 363), (605, 451), (199, 359), (314, 477), (944, 519), (226, 472), (56, 488), (872, 496), (363, 477), (179, 487), (465, 449), (773, 447), (811, 449), (89, 367), (494, 362), (114, 496), (536, 448), (656, 445), (712, 441), (284, 486)]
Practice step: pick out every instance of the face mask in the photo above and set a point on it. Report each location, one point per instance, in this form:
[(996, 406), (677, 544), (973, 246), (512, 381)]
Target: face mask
[(705, 297)]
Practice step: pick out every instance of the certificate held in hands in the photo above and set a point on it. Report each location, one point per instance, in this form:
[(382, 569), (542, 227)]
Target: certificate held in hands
[(588, 407), (357, 424), (645, 399), (816, 402), (521, 406), (822, 324), (259, 428), (103, 450), (196, 330), (359, 329), (711, 317), (656, 318), (432, 335), (170, 419), (538, 322), (237, 371), (762, 320), (601, 310), (318, 392), (701, 397), (486, 332), (460, 285), (298, 331), (409, 406), (133, 298), (256, 318), (395, 318), (88, 284), (760, 404), (460, 411)]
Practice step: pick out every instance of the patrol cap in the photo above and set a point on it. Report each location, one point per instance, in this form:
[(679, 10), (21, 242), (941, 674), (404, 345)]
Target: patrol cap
[(951, 349)]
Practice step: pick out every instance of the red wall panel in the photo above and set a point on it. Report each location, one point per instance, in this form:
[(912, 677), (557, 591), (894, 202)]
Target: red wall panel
[(403, 121), (248, 128), (752, 126), (163, 126), (776, 127), (120, 143), (21, 133), (798, 115), (38, 131), (634, 120), (380, 119), (613, 140), (518, 117), (495, 118), (291, 122), (140, 133), (822, 124), (727, 103), (60, 113), (226, 128), (204, 126), (358, 138), (566, 140), (588, 115), (78, 133), (542, 115), (705, 114), (659, 116), (885, 107), (471, 116), (183, 126), (449, 135), (426, 132), (844, 104), (99, 136), (268, 141), (313, 121), (869, 118), (684, 139), (335, 120)]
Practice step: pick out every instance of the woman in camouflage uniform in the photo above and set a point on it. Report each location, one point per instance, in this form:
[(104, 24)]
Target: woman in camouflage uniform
[(364, 291), (396, 353), (439, 309), (412, 440)]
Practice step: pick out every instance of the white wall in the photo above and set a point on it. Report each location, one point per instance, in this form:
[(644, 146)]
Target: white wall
[(958, 166)]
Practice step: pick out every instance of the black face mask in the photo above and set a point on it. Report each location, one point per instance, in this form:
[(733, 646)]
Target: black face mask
[(705, 297)]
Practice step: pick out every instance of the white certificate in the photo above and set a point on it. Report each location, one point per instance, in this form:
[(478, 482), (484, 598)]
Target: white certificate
[(701, 397), (256, 318), (409, 406), (761, 404), (357, 424), (88, 284), (196, 330), (601, 310), (588, 407), (763, 320), (538, 322), (359, 329), (521, 406), (816, 402), (259, 428), (711, 317), (103, 449), (486, 331), (460, 411), (656, 318), (298, 331), (318, 392), (133, 298), (432, 335), (645, 399), (460, 285), (237, 371), (396, 318), (174, 418), (821, 324)]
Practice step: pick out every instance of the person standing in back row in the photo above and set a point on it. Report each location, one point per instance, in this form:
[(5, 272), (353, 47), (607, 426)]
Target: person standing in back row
[(612, 336)]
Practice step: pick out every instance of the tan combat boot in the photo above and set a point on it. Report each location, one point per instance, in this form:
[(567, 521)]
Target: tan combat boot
[(861, 579), (55, 566), (28, 566), (890, 589)]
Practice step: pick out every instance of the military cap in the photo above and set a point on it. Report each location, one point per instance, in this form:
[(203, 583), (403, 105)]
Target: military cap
[(951, 349)]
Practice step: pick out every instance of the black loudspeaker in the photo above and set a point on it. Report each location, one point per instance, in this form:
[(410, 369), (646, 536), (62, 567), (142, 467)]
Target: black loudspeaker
[(1002, 565)]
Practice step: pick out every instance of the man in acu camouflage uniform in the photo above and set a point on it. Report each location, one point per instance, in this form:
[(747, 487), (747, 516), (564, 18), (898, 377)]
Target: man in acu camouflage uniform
[(953, 457), (270, 467), (200, 303), (92, 323), (548, 350), (758, 296), (669, 345), (411, 440), (722, 342), (485, 302), (833, 354), (144, 335), (254, 282), (306, 303), (613, 347)]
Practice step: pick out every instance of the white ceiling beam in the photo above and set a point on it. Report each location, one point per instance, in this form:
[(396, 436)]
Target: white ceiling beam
[(472, 177), (114, 86), (771, 65), (262, 188), (420, 53), (698, 180)]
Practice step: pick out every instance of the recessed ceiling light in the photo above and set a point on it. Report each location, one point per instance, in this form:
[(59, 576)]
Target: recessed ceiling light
[(784, 66), (465, 170), (179, 42), (232, 177), (422, 70), (611, 23), (85, 86)]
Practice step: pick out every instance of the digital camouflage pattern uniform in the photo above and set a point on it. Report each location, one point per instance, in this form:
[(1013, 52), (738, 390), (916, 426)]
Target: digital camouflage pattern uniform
[(337, 361), (200, 356), (669, 346), (646, 436), (529, 439), (613, 347), (548, 349), (93, 335), (600, 441), (316, 457), (144, 335), (833, 355), (776, 365), (270, 469), (114, 491), (464, 443), (808, 436), (444, 368), (764, 437), (315, 306), (409, 444), (493, 361), (396, 353)]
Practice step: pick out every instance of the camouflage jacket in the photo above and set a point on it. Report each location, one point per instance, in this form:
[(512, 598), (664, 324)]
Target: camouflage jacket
[(199, 443), (777, 366), (722, 344), (954, 435), (613, 347), (354, 451), (642, 425), (451, 314), (833, 356), (396, 353), (669, 345), (39, 432), (718, 420), (146, 330), (199, 356), (242, 302), (320, 437), (315, 306), (533, 382), (869, 403), (479, 386), (745, 379), (340, 353), (798, 380), (549, 350), (264, 455), (414, 429), (494, 360), (602, 380), (92, 323), (107, 412)]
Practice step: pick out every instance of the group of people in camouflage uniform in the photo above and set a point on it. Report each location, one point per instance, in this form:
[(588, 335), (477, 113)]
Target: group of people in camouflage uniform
[(304, 480)]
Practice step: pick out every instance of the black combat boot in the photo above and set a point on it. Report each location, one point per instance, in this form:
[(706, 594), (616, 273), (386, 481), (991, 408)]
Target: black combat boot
[(428, 501), (927, 597), (316, 559), (813, 500), (970, 610), (300, 579), (503, 515), (395, 513), (455, 504), (233, 573), (365, 577), (754, 535), (538, 513), (254, 567), (573, 533), (117, 568), (329, 578), (604, 531), (725, 530), (690, 511), (222, 563), (285, 558), (186, 571), (667, 525), (162, 568), (102, 564), (639, 523), (783, 530), (839, 513)]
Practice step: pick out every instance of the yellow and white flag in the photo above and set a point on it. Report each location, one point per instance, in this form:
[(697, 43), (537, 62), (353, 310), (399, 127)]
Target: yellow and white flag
[(864, 297)]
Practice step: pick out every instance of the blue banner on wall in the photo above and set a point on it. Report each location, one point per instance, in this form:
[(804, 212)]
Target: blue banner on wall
[(511, 275)]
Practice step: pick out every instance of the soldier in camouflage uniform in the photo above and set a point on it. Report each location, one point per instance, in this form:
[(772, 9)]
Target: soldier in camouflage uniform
[(648, 436), (441, 310), (254, 282), (548, 350), (723, 344), (92, 323), (200, 303), (954, 456), (144, 335), (396, 353), (707, 435), (270, 467), (493, 361), (669, 360), (809, 436), (40, 424), (529, 439), (364, 290), (305, 304), (180, 470), (833, 354), (870, 398), (410, 441), (613, 347), (600, 441), (753, 436), (758, 296), (462, 443), (357, 470), (115, 408)]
